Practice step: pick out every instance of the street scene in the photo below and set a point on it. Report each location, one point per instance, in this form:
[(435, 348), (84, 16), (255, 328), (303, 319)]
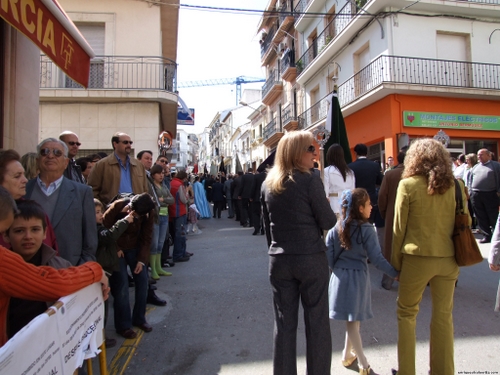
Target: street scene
[(219, 317), (241, 188)]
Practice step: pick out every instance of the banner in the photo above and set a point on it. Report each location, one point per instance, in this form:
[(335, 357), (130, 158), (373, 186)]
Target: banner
[(58, 342), (45, 24), (450, 121)]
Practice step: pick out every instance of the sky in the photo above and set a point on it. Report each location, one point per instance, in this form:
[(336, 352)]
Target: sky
[(215, 45)]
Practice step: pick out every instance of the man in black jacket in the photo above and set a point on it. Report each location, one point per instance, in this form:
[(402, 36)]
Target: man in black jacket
[(256, 204), (244, 196)]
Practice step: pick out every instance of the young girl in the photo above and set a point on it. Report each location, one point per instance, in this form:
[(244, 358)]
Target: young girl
[(350, 243)]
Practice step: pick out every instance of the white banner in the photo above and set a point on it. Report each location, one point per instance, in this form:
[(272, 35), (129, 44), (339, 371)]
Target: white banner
[(58, 342)]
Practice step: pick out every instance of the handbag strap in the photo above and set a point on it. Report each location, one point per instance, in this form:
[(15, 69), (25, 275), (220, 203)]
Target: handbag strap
[(459, 208)]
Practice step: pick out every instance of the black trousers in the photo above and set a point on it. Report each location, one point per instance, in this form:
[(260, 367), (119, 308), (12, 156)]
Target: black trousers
[(256, 215), (218, 208), (244, 211), (485, 205), (236, 208)]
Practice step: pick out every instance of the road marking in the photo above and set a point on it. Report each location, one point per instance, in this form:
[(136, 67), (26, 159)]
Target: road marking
[(126, 351)]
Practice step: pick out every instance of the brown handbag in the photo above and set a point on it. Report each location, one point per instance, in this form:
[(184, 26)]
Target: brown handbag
[(466, 249)]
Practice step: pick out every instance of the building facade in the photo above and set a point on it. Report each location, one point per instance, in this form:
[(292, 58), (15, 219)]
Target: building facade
[(132, 86), (404, 70)]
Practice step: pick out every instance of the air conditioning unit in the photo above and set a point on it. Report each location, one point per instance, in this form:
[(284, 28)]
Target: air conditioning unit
[(281, 47)]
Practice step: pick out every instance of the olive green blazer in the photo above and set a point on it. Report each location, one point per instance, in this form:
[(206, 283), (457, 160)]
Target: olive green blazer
[(423, 223)]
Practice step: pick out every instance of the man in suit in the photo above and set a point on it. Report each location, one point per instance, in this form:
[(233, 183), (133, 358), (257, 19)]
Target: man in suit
[(235, 189), (368, 176), (73, 171), (244, 196), (68, 204), (386, 203), (256, 205)]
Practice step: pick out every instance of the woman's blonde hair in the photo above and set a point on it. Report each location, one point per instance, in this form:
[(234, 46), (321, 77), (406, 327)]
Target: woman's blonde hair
[(30, 164), (288, 159), (429, 158)]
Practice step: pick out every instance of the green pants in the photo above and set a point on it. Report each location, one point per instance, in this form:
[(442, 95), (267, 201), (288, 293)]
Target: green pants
[(441, 274)]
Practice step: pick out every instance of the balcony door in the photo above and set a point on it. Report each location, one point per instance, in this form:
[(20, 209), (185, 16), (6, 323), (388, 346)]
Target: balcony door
[(94, 34), (363, 77), (457, 71)]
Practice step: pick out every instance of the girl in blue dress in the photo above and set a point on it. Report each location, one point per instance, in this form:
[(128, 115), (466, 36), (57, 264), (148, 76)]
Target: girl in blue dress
[(350, 244)]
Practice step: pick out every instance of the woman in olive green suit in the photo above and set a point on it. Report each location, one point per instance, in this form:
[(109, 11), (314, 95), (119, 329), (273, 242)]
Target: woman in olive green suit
[(423, 252)]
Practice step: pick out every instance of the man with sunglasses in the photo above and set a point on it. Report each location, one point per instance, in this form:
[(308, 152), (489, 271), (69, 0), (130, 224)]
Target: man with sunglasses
[(68, 204), (118, 172), (73, 171)]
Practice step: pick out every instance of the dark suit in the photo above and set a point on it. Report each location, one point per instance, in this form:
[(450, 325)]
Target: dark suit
[(256, 205), (244, 196), (74, 172), (368, 176), (235, 188), (73, 221)]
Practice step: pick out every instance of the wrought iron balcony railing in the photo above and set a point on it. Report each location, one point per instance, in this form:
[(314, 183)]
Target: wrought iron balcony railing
[(272, 80), (265, 44), (300, 8), (288, 61), (335, 27), (288, 114), (285, 10), (116, 72), (271, 129), (408, 71)]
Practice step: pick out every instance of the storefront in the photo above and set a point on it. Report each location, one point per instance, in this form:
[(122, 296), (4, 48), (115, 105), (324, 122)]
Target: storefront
[(464, 124), (26, 28)]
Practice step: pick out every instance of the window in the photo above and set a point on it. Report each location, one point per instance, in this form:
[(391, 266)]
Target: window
[(313, 43)]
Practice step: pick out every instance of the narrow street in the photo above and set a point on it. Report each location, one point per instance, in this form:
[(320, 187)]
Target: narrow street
[(219, 316)]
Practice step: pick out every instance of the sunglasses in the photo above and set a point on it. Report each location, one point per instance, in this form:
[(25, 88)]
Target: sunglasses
[(47, 151), (162, 161), (311, 149), (74, 143), (126, 142)]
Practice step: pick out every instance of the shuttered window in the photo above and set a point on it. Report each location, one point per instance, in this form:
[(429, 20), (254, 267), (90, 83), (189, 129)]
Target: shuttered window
[(94, 34)]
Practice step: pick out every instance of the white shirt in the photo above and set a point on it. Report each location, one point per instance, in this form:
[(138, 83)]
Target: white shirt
[(335, 184)]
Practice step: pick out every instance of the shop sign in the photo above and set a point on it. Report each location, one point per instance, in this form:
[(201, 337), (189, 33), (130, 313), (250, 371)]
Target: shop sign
[(34, 19), (450, 121)]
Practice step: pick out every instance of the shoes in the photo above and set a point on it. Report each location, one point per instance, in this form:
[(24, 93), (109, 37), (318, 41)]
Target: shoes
[(262, 232), (364, 371), (152, 287), (485, 240), (255, 232), (145, 327), (189, 254), (349, 361), (152, 281), (127, 333), (167, 264), (230, 217), (109, 343), (153, 299), (182, 259), (246, 225)]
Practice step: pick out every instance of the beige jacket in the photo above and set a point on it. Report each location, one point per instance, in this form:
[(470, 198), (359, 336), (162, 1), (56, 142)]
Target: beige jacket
[(423, 223), (105, 178)]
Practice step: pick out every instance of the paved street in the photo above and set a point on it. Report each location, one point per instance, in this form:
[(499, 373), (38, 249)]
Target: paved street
[(219, 316)]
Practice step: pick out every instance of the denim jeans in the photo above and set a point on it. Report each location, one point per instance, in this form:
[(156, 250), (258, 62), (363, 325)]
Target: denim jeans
[(160, 231), (180, 224), (119, 290)]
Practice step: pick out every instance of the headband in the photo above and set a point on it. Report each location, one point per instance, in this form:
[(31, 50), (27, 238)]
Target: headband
[(346, 202)]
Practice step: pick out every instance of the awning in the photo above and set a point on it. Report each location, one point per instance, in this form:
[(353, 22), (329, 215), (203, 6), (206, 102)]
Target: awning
[(46, 24)]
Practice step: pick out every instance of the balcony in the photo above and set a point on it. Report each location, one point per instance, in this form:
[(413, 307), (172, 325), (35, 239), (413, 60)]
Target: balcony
[(289, 118), (285, 21), (272, 89), (266, 43), (272, 133), (399, 74), (334, 28), (287, 66), (115, 73), (300, 8)]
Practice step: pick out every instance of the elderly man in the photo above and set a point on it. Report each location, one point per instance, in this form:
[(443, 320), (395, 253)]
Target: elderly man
[(73, 171), (68, 204), (485, 188)]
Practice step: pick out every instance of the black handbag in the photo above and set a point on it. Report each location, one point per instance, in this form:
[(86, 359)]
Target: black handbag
[(466, 249)]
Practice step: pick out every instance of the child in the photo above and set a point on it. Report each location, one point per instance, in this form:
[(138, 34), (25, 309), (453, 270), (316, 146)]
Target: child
[(107, 252), (193, 214), (25, 237), (350, 243)]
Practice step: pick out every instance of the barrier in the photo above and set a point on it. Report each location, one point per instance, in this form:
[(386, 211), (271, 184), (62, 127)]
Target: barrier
[(61, 339)]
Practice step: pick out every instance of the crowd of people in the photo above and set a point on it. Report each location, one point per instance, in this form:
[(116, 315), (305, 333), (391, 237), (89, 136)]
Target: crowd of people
[(132, 216)]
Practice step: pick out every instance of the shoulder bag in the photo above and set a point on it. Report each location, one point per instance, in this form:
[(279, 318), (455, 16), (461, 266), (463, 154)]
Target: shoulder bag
[(466, 249)]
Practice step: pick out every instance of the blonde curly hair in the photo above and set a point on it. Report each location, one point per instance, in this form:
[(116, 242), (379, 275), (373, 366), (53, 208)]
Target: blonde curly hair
[(429, 158)]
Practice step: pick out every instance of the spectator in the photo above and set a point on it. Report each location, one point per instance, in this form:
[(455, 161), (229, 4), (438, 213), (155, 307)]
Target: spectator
[(485, 190), (422, 250), (337, 176), (178, 216), (73, 171), (229, 199), (255, 204), (30, 165), (218, 197), (68, 204), (298, 267), (24, 280), (244, 195), (85, 165)]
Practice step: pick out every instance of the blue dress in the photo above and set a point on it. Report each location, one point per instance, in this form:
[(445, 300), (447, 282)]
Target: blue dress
[(349, 292), (200, 200)]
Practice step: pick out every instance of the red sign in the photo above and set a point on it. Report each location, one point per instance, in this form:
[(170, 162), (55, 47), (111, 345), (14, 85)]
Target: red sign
[(38, 23)]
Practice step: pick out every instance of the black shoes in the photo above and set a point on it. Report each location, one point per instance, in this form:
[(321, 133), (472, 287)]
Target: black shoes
[(485, 240), (145, 327), (182, 259), (109, 343), (127, 333), (255, 232), (153, 299)]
